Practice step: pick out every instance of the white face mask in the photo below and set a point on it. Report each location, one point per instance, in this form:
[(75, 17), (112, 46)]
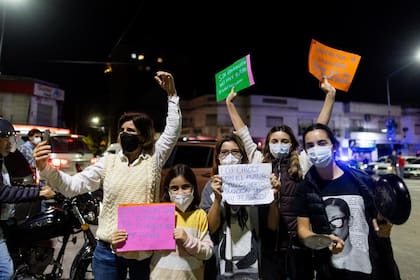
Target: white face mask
[(36, 140), (320, 156), (230, 159), (281, 149), (182, 201)]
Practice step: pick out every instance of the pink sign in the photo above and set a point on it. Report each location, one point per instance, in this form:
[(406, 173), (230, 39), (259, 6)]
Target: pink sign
[(149, 226)]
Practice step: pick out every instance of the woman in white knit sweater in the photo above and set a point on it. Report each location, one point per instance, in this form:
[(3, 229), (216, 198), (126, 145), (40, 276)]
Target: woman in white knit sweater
[(131, 176)]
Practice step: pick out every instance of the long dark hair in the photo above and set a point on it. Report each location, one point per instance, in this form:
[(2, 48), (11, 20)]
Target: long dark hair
[(295, 169), (145, 125), (242, 214), (185, 171), (340, 203)]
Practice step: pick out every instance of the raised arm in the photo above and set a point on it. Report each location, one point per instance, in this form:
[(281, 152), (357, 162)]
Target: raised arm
[(326, 111), (172, 131), (233, 113), (166, 82), (254, 155)]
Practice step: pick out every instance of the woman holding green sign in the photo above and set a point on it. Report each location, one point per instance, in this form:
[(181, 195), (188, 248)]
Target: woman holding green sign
[(283, 256)]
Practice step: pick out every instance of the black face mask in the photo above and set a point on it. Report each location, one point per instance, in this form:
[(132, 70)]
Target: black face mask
[(129, 142)]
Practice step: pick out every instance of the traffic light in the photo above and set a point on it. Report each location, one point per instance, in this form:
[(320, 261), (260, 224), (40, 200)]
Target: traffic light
[(390, 129)]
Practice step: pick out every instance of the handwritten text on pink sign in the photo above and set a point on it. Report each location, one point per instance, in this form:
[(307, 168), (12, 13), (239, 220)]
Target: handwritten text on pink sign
[(149, 226)]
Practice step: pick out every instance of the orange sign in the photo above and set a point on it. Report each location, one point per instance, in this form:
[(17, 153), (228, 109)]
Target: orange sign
[(338, 66)]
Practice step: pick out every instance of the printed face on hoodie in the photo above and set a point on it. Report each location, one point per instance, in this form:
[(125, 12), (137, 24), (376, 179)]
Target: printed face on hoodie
[(338, 220)]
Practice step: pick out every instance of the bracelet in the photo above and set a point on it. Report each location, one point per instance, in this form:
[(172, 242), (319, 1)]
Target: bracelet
[(112, 249)]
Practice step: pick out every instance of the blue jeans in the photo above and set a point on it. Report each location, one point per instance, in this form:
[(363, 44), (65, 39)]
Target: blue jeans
[(6, 263), (108, 266)]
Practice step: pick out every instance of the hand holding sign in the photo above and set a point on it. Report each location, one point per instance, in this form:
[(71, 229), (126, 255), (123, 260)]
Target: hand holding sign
[(339, 67), (246, 184), (148, 227), (326, 86), (238, 75)]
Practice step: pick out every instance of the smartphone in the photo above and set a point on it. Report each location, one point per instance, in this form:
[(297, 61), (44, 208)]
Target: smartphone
[(46, 135)]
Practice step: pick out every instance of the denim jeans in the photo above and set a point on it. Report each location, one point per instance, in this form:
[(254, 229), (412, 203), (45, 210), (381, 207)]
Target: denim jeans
[(108, 266), (6, 263)]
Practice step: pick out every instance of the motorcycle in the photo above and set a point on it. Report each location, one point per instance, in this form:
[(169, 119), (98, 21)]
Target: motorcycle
[(30, 243)]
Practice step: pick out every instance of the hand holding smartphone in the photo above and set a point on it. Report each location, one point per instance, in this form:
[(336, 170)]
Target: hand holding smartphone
[(47, 133)]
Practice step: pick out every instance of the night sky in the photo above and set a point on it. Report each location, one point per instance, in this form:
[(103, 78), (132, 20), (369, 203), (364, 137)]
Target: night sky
[(67, 43)]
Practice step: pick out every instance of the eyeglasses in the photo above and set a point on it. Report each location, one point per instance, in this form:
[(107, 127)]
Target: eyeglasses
[(338, 222), (175, 188), (236, 153)]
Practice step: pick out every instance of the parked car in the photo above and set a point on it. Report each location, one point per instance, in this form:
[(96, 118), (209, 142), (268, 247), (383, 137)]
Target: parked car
[(113, 148), (383, 165), (354, 163), (412, 167), (69, 153), (198, 154), (380, 167)]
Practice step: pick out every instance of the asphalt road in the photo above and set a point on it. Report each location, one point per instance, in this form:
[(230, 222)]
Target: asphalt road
[(71, 251), (405, 239)]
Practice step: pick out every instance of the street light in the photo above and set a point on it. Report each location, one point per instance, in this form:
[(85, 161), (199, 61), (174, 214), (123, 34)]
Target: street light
[(95, 121), (390, 123)]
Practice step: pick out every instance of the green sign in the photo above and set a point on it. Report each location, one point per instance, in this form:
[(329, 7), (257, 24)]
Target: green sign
[(237, 75)]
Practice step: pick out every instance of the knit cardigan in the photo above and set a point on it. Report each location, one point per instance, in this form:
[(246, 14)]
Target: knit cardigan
[(124, 184)]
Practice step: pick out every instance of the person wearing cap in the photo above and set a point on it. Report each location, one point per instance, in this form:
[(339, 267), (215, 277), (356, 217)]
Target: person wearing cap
[(34, 137), (12, 194)]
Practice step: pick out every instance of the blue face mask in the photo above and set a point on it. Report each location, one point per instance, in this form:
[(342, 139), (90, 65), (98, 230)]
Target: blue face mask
[(320, 156), (278, 150)]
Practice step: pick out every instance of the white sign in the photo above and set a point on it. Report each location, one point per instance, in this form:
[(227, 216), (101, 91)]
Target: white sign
[(246, 184)]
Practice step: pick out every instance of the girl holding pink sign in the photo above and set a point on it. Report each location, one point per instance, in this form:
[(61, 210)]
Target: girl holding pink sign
[(193, 243)]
